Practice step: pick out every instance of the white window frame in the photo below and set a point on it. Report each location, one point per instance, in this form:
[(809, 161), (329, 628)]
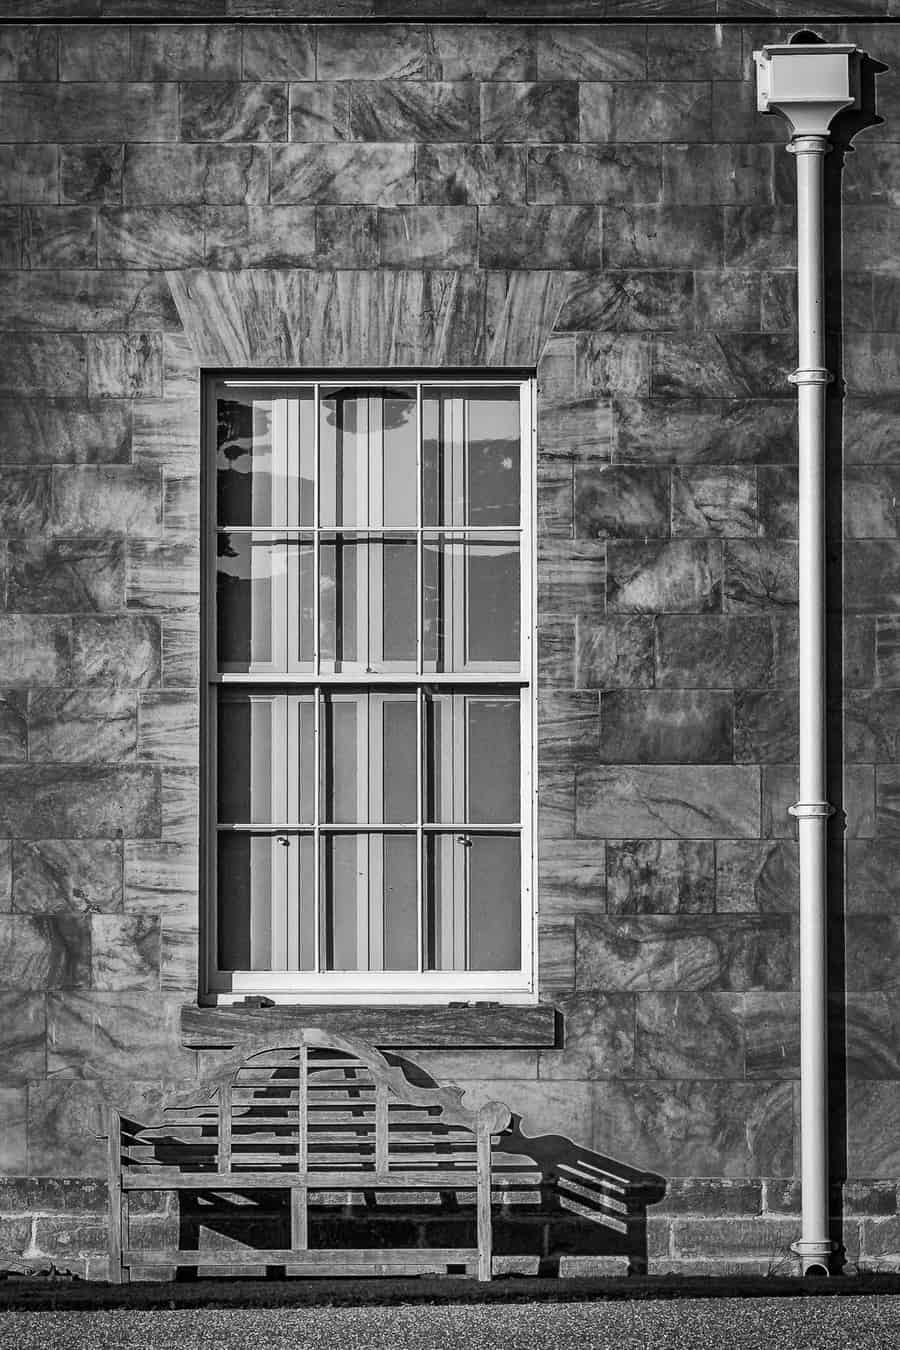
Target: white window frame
[(372, 987)]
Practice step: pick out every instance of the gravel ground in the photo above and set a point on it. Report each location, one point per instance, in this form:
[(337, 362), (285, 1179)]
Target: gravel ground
[(849, 1323)]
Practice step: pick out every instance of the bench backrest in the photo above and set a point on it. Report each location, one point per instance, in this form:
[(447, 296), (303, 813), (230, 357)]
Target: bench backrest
[(324, 1105)]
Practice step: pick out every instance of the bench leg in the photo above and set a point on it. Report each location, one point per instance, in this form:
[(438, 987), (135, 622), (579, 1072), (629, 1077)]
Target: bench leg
[(483, 1206)]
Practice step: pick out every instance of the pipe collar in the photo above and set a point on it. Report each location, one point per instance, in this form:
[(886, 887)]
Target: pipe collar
[(810, 375), (811, 810)]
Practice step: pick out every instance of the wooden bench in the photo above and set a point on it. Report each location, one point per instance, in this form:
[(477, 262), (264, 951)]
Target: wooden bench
[(326, 1114)]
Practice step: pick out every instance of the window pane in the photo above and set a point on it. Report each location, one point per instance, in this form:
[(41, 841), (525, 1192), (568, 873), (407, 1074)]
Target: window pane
[(368, 605), (471, 467), (265, 461), (472, 758), (264, 604), (368, 458), (266, 758), (495, 902), (369, 758), (369, 902), (472, 902), (471, 606), (266, 899)]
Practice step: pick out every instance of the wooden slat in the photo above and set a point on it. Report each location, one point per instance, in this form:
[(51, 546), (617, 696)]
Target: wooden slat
[(331, 1259), (224, 1127), (114, 1178), (483, 1204), (299, 1219), (172, 1178)]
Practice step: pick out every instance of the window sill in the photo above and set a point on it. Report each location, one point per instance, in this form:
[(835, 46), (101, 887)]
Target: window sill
[(452, 1025)]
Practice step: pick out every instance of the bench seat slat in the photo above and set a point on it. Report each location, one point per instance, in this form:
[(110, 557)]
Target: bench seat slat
[(171, 1178), (328, 1258)]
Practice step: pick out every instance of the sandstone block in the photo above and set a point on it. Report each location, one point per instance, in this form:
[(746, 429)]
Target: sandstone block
[(705, 431), (28, 52), (45, 951), (665, 727), (765, 726), (714, 502), (91, 173), (556, 956), (381, 175), (386, 110), (89, 53), (573, 879), (58, 236), (23, 1037), (618, 501), (712, 1128), (683, 953), (186, 51), (485, 174), (33, 650), (760, 575), (756, 876), (125, 951), (28, 173), (169, 728), (678, 576), (79, 875), (260, 236), (662, 236), (125, 365), (13, 1115), (572, 580), (599, 1038), (768, 1239), (13, 726), (116, 651), (480, 51), (715, 652), (660, 876), (688, 1035), (24, 501), (713, 1196), (162, 576), (80, 801), (93, 302), (568, 726), (694, 51), (760, 236), (45, 363), (150, 236), (668, 801), (615, 653), (82, 726), (278, 51), (728, 174), (395, 51), (320, 111), (161, 878), (250, 111), (190, 174), (645, 111), (59, 576), (428, 236), (590, 52), (628, 300), (346, 236), (545, 111)]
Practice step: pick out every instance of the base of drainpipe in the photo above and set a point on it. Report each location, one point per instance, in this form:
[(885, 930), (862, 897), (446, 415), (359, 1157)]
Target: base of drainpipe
[(815, 1257)]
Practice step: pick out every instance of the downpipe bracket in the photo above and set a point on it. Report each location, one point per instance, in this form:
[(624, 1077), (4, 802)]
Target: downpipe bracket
[(811, 375), (811, 810)]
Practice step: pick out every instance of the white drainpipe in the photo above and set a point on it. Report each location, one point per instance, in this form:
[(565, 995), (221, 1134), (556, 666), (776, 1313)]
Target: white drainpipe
[(809, 83)]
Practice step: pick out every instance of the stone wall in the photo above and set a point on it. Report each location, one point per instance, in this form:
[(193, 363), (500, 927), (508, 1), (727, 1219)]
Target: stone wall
[(604, 202)]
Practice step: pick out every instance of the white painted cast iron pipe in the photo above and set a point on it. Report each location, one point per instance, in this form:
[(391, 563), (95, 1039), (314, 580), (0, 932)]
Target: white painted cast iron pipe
[(812, 810)]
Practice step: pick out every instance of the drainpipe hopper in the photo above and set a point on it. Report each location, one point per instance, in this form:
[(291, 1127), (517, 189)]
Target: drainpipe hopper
[(809, 82)]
